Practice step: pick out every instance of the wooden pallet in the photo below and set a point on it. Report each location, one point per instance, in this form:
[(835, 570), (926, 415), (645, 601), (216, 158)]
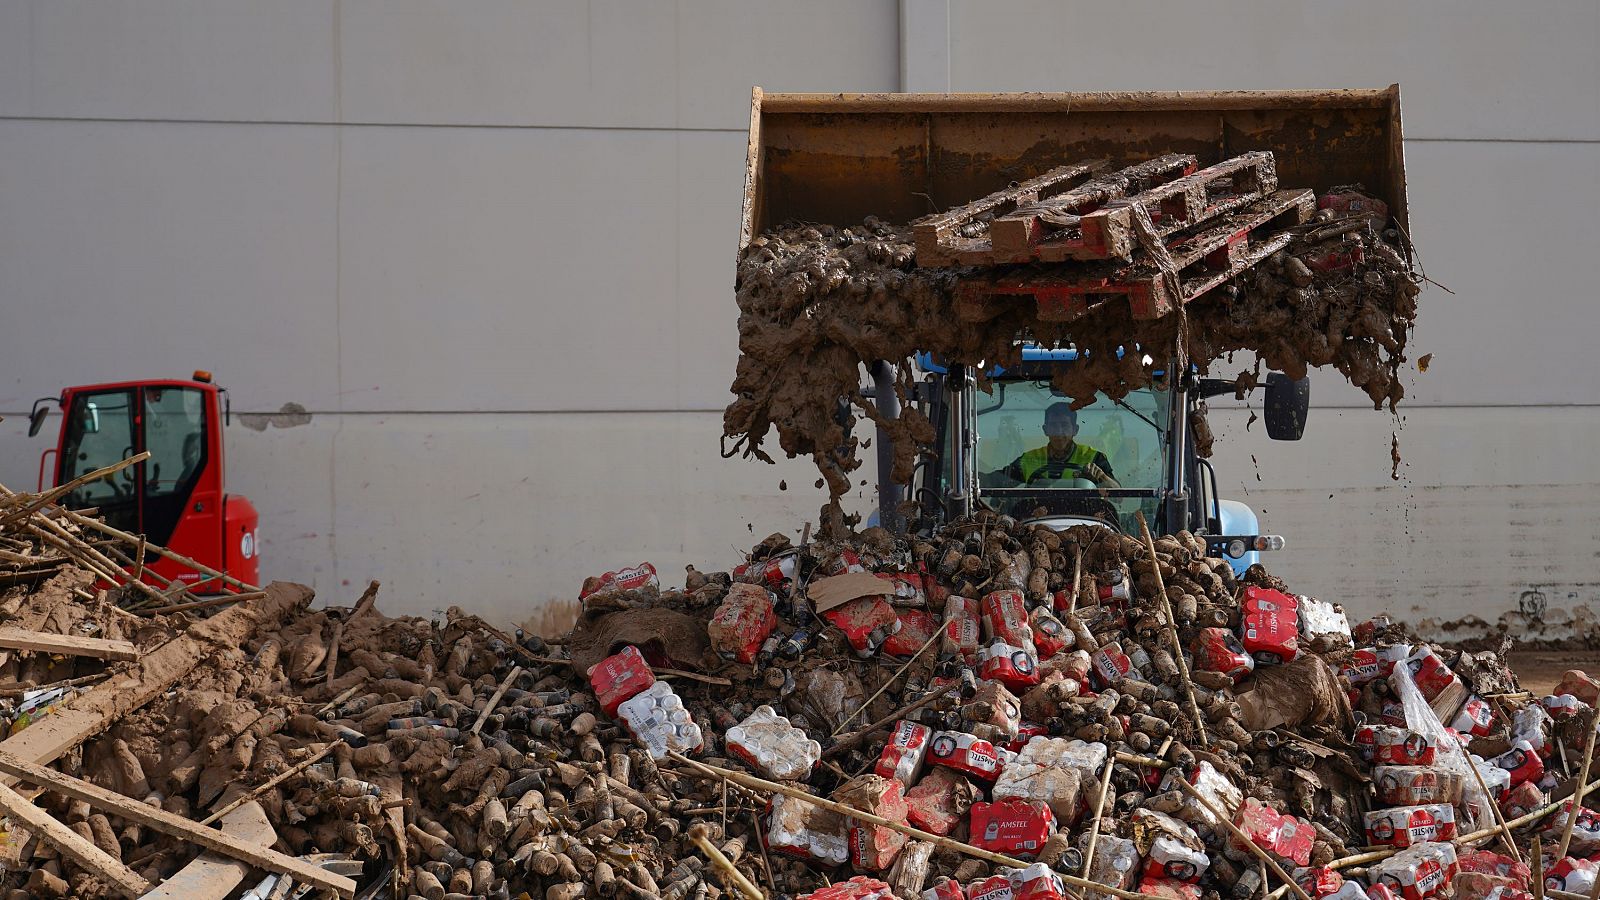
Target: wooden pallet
[(1203, 260), (938, 237), (1045, 230)]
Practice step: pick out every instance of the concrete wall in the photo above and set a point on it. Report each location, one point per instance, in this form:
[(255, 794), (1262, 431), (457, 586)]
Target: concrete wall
[(489, 247)]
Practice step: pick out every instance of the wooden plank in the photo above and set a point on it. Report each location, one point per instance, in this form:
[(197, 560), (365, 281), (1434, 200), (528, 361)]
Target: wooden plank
[(66, 645), (1016, 236), (176, 826), (156, 672), (935, 237), (211, 876), (72, 845), (1107, 233)]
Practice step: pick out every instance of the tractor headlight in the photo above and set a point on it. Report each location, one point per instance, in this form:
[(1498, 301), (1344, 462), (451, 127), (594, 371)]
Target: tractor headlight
[(1236, 548), (1268, 542)]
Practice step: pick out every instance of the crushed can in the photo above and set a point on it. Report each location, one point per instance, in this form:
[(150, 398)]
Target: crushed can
[(1005, 618), (1015, 827), (1475, 718), (1015, 666), (844, 562), (1406, 826), (1219, 650), (917, 626), (904, 589), (866, 622), (619, 677), (874, 847), (1172, 859), (940, 801), (742, 621), (1270, 628), (1522, 762), (1418, 872), (1320, 882), (903, 755), (807, 831), (965, 753), (1037, 882), (1049, 635), (1416, 785), (774, 747), (946, 888), (961, 630), (657, 719), (995, 887)]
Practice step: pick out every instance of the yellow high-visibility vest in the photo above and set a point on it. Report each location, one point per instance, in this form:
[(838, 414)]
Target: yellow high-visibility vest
[(1039, 457)]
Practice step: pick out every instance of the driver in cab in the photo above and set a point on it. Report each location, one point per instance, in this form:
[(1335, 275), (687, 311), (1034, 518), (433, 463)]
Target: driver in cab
[(1061, 457)]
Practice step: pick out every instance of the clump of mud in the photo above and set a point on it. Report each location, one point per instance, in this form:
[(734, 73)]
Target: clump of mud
[(817, 303)]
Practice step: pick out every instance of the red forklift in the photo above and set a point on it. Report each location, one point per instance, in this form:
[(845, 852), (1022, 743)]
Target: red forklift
[(176, 498)]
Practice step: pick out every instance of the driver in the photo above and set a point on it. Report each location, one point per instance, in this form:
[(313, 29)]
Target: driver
[(1061, 456)]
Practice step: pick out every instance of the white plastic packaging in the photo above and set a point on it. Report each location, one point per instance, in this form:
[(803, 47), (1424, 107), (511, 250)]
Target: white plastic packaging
[(656, 718), (773, 746)]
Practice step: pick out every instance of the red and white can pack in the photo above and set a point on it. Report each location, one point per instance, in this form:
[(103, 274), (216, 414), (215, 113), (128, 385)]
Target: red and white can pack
[(945, 888), (917, 626), (1169, 889), (1049, 635), (1005, 618), (1017, 667), (866, 622), (1270, 629), (858, 888), (1320, 882), (1363, 665), (844, 561), (1016, 827), (774, 573), (1476, 717), (1406, 826), (1285, 837), (1573, 875), (807, 831), (940, 801), (903, 755), (874, 847), (1585, 832), (1416, 873), (1416, 785), (995, 887), (742, 621), (1394, 746), (965, 753), (1108, 666), (962, 636), (1431, 675), (905, 589), (618, 677), (1173, 859), (1522, 762), (1037, 882), (633, 578), (1219, 650)]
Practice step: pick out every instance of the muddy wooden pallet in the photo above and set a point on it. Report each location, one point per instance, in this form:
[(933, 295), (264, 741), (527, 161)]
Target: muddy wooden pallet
[(1094, 221), (1202, 260)]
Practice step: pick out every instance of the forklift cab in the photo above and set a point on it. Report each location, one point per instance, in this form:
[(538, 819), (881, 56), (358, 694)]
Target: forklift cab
[(1146, 437), (176, 497)]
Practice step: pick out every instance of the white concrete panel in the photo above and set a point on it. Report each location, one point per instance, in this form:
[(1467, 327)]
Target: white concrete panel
[(236, 60), (603, 63), (1490, 505), (505, 515), (707, 233), (508, 62), (1467, 69), (132, 250), (511, 269)]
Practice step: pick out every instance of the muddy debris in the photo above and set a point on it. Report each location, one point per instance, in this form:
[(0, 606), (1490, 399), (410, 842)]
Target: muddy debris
[(818, 302)]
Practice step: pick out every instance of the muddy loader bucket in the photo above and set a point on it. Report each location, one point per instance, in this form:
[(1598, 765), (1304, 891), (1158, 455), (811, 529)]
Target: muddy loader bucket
[(838, 158)]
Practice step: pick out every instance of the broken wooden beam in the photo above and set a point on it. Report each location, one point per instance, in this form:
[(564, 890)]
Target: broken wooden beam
[(176, 826), (72, 845), (66, 644), (212, 876)]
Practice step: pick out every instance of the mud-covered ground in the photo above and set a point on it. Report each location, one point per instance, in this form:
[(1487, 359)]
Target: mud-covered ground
[(817, 303)]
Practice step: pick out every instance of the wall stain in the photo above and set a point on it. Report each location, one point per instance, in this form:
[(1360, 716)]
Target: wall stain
[(289, 415)]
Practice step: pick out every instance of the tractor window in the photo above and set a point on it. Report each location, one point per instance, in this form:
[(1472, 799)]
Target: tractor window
[(175, 435), (100, 433)]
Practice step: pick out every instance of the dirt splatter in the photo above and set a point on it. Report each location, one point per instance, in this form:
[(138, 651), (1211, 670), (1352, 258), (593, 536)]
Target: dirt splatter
[(289, 415), (1394, 456), (818, 303)]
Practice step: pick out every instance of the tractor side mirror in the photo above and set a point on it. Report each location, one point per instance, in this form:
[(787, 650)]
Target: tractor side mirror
[(36, 419), (1287, 404)]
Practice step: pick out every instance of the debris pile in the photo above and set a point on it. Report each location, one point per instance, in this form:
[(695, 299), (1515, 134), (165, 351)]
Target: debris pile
[(997, 710), (1200, 263)]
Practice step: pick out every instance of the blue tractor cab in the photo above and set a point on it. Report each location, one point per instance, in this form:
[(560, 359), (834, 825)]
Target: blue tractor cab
[(991, 450)]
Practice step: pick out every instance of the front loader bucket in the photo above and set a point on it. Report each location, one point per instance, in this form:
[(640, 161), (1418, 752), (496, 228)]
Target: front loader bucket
[(838, 158)]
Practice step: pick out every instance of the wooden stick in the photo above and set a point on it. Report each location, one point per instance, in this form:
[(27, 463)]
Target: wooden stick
[(937, 633), (1499, 818), (850, 741), (1172, 632), (773, 787), (1077, 580), (731, 876), (346, 694), (494, 700), (72, 845), (1099, 813), (679, 673), (1577, 798), (1538, 868), (1136, 760), (333, 651), (66, 644), (271, 783), (177, 826), (179, 558), (207, 603), (15, 689), (48, 497), (1243, 838)]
